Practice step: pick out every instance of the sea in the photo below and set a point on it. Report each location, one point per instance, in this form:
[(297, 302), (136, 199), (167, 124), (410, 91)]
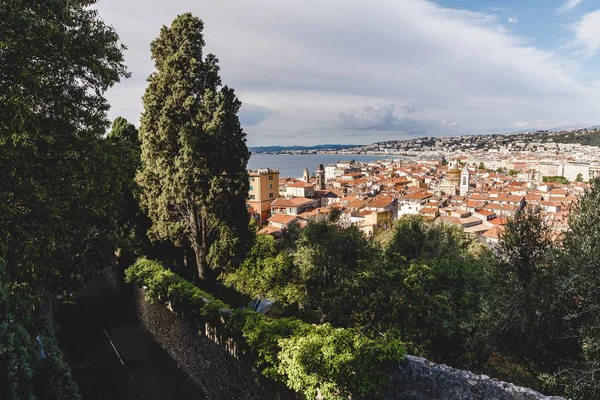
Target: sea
[(292, 165)]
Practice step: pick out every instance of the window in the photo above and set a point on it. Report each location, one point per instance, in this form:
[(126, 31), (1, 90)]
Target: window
[(270, 177), (270, 195), (252, 197), (251, 179), (271, 186), (251, 187)]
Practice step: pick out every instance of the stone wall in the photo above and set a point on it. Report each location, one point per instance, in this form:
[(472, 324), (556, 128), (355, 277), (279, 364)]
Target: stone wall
[(419, 379), (210, 361), (214, 365)]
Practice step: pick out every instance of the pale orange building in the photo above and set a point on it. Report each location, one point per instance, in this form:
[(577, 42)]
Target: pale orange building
[(264, 189)]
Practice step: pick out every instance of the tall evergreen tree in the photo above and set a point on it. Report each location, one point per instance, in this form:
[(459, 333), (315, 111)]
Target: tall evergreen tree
[(59, 181), (193, 176), (59, 184)]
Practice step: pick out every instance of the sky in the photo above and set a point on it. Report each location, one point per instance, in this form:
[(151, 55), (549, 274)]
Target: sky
[(362, 71)]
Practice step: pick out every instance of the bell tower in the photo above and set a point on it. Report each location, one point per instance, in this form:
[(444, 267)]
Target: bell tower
[(320, 173), (465, 181), (306, 175)]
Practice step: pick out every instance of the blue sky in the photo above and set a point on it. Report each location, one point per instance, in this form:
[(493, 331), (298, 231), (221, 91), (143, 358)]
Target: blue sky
[(350, 71)]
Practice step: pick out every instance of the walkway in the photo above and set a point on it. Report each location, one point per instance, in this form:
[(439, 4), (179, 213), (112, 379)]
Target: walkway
[(146, 372)]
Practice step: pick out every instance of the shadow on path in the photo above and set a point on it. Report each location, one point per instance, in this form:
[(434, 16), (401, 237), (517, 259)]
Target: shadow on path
[(142, 370)]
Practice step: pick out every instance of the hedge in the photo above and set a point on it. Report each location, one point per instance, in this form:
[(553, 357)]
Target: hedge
[(310, 359)]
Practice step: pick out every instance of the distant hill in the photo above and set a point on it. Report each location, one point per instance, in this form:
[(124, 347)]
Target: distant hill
[(276, 149), (587, 139)]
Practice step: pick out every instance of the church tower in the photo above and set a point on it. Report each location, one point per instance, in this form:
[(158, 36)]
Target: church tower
[(306, 175), (320, 177), (465, 181)]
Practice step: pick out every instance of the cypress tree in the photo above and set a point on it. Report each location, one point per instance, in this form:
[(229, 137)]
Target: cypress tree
[(193, 176)]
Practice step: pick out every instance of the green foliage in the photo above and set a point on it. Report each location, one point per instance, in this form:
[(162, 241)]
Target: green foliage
[(579, 178), (524, 315), (309, 358), (580, 259), (167, 287), (337, 363), (263, 335), (556, 179), (193, 177), (425, 283), (430, 285), (29, 369), (481, 165), (585, 139), (132, 223), (267, 274), (327, 259), (59, 181)]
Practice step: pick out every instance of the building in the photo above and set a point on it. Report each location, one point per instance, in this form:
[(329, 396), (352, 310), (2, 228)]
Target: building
[(306, 175), (264, 189), (293, 206), (374, 222), (452, 180), (282, 221), (465, 181), (300, 189), (320, 174)]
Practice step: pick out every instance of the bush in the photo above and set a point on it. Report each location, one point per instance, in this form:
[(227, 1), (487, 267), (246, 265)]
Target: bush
[(335, 362)]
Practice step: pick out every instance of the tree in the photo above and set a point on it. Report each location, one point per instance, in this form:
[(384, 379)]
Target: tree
[(31, 364), (267, 274), (579, 178), (428, 286), (481, 165), (123, 131), (327, 259), (579, 292), (524, 313), (556, 179), (59, 182), (193, 177), (132, 224)]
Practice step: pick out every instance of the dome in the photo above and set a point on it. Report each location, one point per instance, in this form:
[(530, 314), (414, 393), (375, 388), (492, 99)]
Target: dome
[(453, 175)]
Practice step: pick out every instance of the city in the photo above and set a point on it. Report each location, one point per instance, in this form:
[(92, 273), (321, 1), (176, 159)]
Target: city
[(475, 183)]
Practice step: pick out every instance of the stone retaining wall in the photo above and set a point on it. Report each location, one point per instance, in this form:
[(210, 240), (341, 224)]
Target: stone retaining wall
[(209, 362), (214, 365), (419, 379)]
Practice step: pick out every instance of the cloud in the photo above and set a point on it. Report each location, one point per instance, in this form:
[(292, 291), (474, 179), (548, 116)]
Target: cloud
[(538, 124), (304, 61), (587, 33), (513, 20), (253, 114), (569, 5), (410, 108), (383, 118)]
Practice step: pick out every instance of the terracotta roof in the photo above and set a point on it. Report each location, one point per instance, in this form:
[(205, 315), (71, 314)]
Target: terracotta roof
[(282, 219), (416, 196), (485, 212), (301, 185), (498, 221), (316, 211), (380, 202), (293, 202), (270, 230), (494, 233), (357, 203)]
